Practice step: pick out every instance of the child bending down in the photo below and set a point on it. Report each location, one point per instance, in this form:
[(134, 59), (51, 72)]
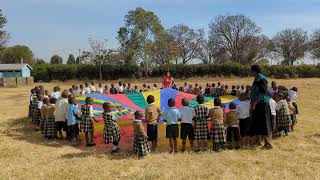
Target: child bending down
[(187, 129), (111, 129), (87, 118), (232, 124), (200, 122), (140, 142), (217, 134), (171, 116)]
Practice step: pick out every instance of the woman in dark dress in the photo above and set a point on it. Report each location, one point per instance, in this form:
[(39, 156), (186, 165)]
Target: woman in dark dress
[(260, 109)]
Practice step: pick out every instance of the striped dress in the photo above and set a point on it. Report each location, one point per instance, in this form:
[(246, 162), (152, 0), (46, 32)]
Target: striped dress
[(217, 132), (200, 122), (283, 115), (86, 124), (49, 125), (111, 131)]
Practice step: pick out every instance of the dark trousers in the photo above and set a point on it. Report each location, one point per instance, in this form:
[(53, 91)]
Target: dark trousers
[(73, 131)]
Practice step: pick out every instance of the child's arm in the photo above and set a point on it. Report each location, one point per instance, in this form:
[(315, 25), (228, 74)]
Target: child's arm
[(159, 114)]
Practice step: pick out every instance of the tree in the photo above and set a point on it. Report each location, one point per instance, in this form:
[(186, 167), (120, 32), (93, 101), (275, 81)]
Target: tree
[(98, 54), (188, 41), (71, 59), (235, 35), (138, 35), (39, 61), (210, 52), (78, 60), (290, 44), (315, 44), (56, 59), (4, 36), (15, 54)]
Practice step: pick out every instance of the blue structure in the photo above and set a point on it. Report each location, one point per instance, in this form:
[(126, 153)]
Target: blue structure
[(15, 70)]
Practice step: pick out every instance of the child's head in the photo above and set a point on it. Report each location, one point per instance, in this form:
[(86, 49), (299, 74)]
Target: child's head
[(171, 102), (32, 91), (185, 102), (107, 107), (100, 84), (73, 86), (200, 99), (274, 84), (46, 92), (70, 90), (124, 85), (88, 100), (138, 115), (207, 85), (232, 106), (185, 84), (155, 85), (106, 87), (226, 87), (278, 96), (242, 87), (233, 87), (41, 87), (150, 99), (92, 83), (190, 86), (295, 89), (53, 100), (65, 93), (40, 96), (238, 87), (81, 86), (243, 97), (144, 85), (213, 85), (217, 102), (71, 101), (112, 85), (46, 101), (148, 87), (196, 85), (181, 89), (120, 83), (86, 84), (135, 87)]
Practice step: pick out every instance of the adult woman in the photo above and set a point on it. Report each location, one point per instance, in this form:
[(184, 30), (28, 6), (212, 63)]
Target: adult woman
[(261, 114), (167, 80)]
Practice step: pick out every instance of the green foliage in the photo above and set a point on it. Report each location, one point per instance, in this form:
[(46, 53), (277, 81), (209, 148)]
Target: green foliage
[(15, 53), (48, 72), (56, 59), (71, 59), (4, 36)]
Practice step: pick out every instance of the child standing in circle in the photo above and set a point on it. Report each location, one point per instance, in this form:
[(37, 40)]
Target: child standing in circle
[(187, 129), (87, 125), (111, 129), (140, 142), (217, 133), (200, 122)]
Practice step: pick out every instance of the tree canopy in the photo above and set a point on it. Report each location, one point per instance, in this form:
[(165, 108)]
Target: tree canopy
[(71, 59), (15, 54), (56, 59)]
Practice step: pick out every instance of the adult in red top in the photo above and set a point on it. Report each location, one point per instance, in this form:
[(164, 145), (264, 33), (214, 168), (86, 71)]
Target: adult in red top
[(167, 81)]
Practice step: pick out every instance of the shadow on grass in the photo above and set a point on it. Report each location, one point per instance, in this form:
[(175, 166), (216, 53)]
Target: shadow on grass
[(99, 154)]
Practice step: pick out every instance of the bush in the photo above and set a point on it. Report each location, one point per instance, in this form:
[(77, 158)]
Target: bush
[(49, 72)]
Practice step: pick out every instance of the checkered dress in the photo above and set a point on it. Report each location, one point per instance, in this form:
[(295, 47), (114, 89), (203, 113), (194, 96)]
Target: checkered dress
[(86, 124), (31, 105), (200, 123), (111, 131), (50, 128), (283, 117), (36, 115), (42, 118), (140, 145), (218, 133)]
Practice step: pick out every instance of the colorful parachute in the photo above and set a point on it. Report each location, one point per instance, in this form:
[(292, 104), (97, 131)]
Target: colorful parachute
[(125, 104)]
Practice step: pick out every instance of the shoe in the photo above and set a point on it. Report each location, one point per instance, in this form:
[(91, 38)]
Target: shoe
[(115, 151)]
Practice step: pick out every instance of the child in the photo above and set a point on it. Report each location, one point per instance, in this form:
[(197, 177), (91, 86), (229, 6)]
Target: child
[(87, 124), (190, 89), (43, 114), (72, 120), (273, 105), (186, 88), (232, 124), (171, 117), (243, 109), (217, 132), (233, 90), (49, 125), (283, 115), (200, 122), (207, 91), (82, 90), (140, 142), (238, 90), (113, 90), (129, 88), (87, 89), (248, 91), (196, 89), (243, 89), (56, 93), (106, 90), (111, 129), (186, 124), (120, 88), (93, 88), (100, 89), (154, 87), (293, 97), (152, 118), (46, 94), (148, 88), (144, 88), (226, 90), (37, 111), (136, 90), (292, 112), (31, 100), (213, 90)]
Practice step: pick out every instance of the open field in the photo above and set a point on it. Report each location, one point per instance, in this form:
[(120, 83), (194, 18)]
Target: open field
[(24, 154)]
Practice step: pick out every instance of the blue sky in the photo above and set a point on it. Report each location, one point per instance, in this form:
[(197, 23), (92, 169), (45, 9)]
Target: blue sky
[(63, 26)]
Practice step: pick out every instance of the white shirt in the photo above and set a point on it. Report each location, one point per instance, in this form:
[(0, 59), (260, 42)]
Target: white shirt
[(99, 90), (186, 89), (92, 89), (61, 110), (243, 109), (293, 95), (87, 90), (55, 95), (120, 89), (186, 114), (273, 105), (154, 88)]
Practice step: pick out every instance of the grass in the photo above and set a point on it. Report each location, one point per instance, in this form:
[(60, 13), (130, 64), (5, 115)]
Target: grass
[(24, 154)]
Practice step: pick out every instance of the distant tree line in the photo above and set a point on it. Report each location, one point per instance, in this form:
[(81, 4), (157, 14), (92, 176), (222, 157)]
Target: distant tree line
[(143, 41)]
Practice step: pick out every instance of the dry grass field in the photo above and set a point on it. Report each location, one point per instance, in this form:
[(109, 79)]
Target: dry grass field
[(24, 154)]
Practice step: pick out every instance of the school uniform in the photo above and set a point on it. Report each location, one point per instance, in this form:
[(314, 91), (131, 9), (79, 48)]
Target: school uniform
[(99, 90), (200, 114), (56, 95), (232, 124), (37, 113), (72, 121), (140, 142), (152, 113), (87, 90), (49, 125), (292, 112), (273, 105), (187, 129), (171, 116), (217, 133), (86, 124), (233, 92), (31, 101), (283, 115), (243, 109), (113, 90), (43, 118), (61, 114), (92, 89), (111, 131)]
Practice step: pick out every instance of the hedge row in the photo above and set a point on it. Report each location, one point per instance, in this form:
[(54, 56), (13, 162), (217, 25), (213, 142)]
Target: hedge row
[(48, 72)]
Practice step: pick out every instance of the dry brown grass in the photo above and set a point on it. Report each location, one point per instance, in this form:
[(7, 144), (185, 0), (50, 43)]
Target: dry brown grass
[(24, 154)]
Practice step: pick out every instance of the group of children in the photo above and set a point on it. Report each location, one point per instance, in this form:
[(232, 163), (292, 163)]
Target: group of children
[(224, 127)]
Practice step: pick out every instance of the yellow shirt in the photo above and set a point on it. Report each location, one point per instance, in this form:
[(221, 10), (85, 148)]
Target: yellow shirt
[(152, 114)]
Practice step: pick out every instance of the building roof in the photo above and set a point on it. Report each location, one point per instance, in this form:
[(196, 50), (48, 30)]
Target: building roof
[(13, 67)]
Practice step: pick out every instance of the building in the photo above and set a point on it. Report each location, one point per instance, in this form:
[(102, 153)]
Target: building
[(15, 75)]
